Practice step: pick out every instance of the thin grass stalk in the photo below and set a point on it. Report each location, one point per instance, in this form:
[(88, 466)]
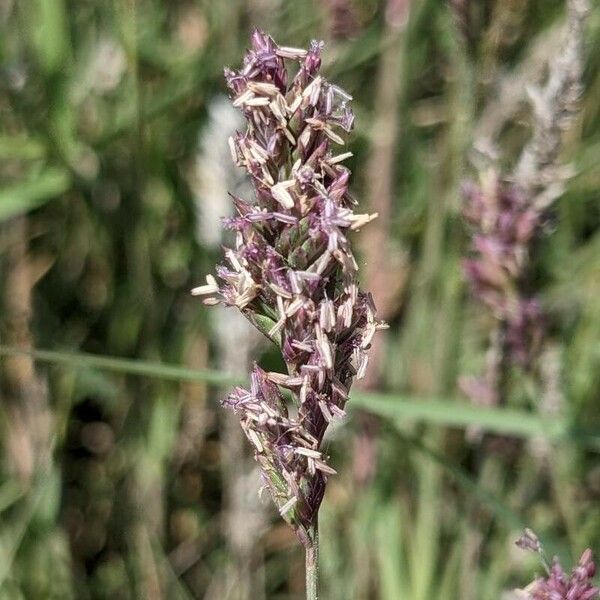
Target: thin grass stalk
[(144, 483), (386, 273), (312, 564), (26, 419), (25, 408)]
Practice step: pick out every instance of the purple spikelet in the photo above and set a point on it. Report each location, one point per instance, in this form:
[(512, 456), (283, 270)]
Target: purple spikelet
[(577, 586), (558, 585), (504, 224), (291, 271)]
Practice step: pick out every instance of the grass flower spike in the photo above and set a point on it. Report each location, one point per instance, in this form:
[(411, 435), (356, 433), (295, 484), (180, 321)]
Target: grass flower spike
[(292, 272), (504, 226), (576, 586), (558, 584)]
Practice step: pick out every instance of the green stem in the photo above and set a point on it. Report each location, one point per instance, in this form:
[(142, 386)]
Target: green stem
[(312, 564)]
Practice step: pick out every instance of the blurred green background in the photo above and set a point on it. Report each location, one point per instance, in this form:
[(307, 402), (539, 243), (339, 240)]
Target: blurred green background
[(124, 479)]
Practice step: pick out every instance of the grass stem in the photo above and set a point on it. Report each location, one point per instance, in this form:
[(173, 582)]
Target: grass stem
[(312, 564)]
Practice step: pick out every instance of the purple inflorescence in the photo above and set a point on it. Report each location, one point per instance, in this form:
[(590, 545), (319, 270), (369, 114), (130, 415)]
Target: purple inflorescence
[(557, 585), (504, 225), (292, 271), (560, 586)]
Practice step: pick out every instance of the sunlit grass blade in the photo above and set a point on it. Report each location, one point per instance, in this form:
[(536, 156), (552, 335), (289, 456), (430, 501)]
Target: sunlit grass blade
[(453, 413), (124, 365), (447, 412)]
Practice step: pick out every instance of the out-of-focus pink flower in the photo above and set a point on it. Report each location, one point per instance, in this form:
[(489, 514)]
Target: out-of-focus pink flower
[(560, 586), (504, 224)]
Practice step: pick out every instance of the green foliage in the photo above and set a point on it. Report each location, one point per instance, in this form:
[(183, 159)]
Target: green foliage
[(26, 195)]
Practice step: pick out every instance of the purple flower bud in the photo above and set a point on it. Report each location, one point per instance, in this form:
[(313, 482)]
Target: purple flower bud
[(529, 541)]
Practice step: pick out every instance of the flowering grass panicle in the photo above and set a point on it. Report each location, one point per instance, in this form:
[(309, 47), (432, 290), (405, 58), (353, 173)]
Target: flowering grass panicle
[(558, 585), (576, 586), (504, 224), (291, 271)]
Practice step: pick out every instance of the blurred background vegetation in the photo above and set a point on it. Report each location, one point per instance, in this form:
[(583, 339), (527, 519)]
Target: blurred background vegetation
[(124, 479)]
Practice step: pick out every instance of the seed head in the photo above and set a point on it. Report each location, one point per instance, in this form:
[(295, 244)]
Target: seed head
[(291, 270), (504, 224)]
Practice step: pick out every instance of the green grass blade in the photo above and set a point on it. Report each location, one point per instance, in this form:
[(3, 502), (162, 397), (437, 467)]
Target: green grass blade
[(21, 147), (445, 412), (450, 412), (124, 365), (498, 508), (20, 198)]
